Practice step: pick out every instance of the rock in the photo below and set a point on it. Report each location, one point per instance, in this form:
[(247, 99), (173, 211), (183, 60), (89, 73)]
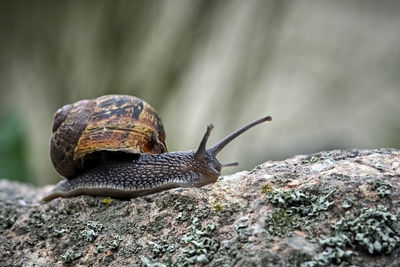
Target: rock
[(330, 208)]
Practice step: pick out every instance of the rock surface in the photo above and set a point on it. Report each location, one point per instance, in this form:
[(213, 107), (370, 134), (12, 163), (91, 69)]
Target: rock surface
[(330, 208)]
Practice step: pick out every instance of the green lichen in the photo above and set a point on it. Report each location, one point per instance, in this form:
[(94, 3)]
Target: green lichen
[(99, 248), (71, 255), (348, 203), (299, 202), (330, 257), (375, 231), (282, 223), (93, 230), (182, 216), (151, 263), (184, 205), (312, 159), (315, 159), (218, 207), (266, 188), (36, 219), (201, 246), (115, 243), (382, 187), (296, 259), (63, 230), (242, 230), (107, 200), (161, 247), (226, 216), (156, 225), (294, 208), (200, 211), (178, 202), (71, 208), (8, 216)]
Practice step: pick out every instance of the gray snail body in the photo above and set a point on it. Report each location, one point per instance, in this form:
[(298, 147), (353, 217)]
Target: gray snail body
[(122, 173)]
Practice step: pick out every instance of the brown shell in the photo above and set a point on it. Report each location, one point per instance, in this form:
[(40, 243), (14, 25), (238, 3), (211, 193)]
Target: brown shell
[(119, 123)]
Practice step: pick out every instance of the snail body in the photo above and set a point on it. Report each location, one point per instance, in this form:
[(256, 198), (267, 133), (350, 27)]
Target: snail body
[(136, 163)]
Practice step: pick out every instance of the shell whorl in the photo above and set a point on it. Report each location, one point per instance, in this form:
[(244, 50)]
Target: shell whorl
[(108, 123)]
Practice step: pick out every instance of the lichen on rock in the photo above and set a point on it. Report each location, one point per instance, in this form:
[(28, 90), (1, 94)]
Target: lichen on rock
[(336, 207)]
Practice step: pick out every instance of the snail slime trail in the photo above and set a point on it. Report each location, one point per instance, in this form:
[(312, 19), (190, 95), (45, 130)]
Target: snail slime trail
[(115, 146)]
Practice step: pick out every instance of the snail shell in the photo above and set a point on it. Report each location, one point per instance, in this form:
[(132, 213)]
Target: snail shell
[(114, 146), (88, 131)]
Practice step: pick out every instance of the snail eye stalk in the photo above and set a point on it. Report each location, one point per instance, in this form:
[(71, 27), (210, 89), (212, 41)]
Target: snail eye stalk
[(201, 151), (218, 147)]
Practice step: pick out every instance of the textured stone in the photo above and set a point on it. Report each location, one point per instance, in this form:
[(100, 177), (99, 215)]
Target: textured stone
[(334, 207)]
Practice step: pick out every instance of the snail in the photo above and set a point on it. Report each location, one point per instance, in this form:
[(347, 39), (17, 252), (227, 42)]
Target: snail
[(115, 146)]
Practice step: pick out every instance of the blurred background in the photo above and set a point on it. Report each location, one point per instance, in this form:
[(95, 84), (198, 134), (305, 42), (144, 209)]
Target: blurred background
[(328, 72)]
